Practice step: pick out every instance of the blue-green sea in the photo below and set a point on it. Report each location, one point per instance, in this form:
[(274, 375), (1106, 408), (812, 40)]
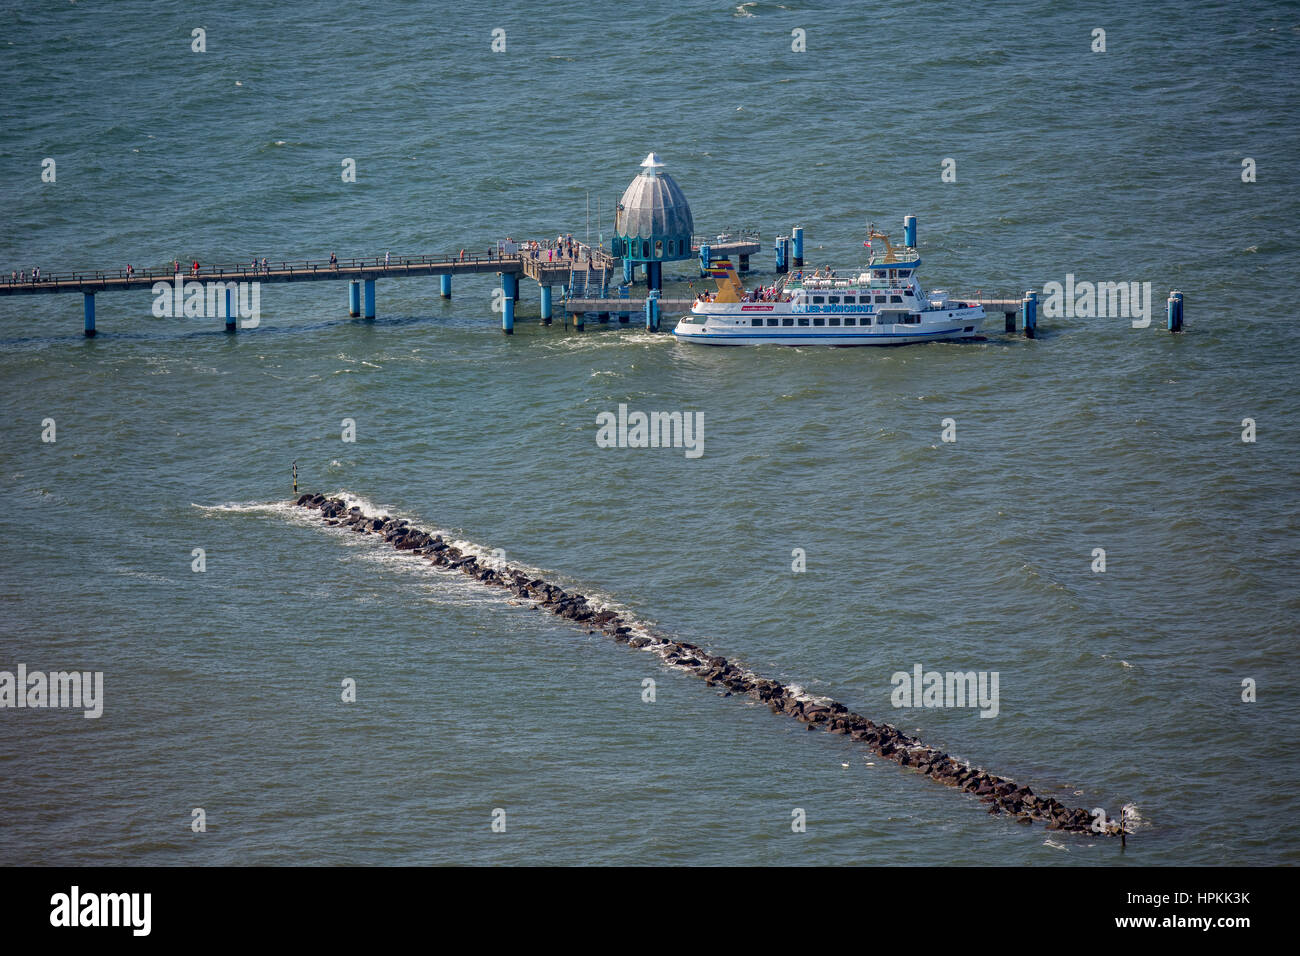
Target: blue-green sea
[(223, 687)]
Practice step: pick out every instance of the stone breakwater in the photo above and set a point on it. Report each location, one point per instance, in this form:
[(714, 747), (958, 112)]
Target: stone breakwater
[(1003, 796)]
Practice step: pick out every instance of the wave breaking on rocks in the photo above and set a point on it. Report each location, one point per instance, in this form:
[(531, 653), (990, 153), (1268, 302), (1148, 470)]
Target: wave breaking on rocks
[(1003, 796)]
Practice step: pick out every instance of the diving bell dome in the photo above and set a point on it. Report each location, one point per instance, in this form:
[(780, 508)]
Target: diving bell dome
[(654, 221)]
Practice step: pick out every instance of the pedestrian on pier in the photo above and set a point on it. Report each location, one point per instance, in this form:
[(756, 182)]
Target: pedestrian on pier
[(36, 273), (489, 253), (386, 255), (13, 276), (130, 270), (265, 268), (334, 261), (176, 265)]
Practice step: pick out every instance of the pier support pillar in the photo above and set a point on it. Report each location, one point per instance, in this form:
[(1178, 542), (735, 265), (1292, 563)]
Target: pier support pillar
[(782, 255), (744, 263), (370, 298), (1174, 307), (509, 295), (629, 271), (1011, 321), (230, 310), (445, 286), (88, 306), (652, 311), (796, 236), (909, 231), (654, 276), (704, 258), (579, 320), (546, 303), (1030, 305), (354, 298)]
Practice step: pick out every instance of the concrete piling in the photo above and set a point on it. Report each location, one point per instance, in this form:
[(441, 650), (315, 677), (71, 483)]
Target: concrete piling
[(509, 295), (445, 286), (354, 298), (1174, 309), (652, 311), (370, 298), (1030, 306), (88, 307), (909, 231), (796, 235)]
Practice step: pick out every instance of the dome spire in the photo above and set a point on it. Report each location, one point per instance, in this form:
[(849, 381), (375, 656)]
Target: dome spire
[(652, 164)]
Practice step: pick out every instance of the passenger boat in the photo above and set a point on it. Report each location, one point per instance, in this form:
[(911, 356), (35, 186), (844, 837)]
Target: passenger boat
[(883, 305)]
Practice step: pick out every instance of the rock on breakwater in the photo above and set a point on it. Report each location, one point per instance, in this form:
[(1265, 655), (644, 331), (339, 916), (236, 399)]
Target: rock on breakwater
[(1002, 795)]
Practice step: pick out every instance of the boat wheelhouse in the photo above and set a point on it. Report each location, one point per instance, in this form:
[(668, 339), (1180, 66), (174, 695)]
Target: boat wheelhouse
[(882, 305)]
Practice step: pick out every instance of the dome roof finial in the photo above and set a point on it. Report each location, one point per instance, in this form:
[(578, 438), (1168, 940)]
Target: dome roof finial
[(652, 164)]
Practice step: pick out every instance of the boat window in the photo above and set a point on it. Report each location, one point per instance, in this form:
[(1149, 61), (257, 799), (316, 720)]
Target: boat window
[(819, 321), (755, 321), (835, 320), (771, 321), (818, 300), (969, 328), (803, 321), (789, 321), (881, 299), (850, 320), (833, 299), (850, 299), (895, 299)]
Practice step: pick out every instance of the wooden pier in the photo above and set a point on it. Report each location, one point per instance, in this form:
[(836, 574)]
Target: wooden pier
[(578, 268)]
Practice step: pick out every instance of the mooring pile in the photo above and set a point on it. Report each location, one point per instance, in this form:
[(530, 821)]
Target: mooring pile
[(1002, 795)]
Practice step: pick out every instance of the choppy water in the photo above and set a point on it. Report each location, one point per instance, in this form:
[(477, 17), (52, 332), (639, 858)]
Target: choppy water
[(222, 688)]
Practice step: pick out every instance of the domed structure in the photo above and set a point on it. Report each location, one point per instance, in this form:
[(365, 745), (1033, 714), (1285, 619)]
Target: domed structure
[(654, 222)]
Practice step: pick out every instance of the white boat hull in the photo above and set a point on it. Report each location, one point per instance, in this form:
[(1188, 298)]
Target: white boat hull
[(955, 325)]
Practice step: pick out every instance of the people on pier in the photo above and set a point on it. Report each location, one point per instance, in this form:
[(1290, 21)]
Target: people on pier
[(386, 255), (334, 261)]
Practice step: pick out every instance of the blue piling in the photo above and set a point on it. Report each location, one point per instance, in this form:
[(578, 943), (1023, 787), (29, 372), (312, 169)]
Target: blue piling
[(782, 255), (1174, 305), (230, 310), (654, 276), (354, 298), (445, 283), (88, 306), (652, 311), (629, 271), (509, 293), (797, 235), (370, 298), (704, 258), (1030, 305), (579, 320), (546, 303), (909, 231)]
